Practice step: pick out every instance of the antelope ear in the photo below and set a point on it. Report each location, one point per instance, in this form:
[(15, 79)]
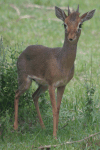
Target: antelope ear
[(60, 13), (87, 15)]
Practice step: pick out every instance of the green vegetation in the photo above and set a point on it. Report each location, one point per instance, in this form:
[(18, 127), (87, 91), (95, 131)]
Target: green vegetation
[(80, 108)]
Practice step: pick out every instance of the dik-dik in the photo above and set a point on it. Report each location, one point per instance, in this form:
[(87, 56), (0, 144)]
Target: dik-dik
[(51, 67)]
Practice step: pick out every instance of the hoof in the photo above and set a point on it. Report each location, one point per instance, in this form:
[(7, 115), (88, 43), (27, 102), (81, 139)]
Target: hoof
[(43, 126), (15, 126), (55, 137)]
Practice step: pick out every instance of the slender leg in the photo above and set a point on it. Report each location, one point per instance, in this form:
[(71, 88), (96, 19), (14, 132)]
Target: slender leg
[(54, 107), (60, 91), (35, 99), (22, 89)]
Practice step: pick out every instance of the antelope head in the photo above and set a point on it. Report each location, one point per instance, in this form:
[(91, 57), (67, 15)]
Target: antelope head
[(73, 22)]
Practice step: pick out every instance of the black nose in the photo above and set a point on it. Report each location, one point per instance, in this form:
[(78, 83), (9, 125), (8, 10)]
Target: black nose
[(70, 39)]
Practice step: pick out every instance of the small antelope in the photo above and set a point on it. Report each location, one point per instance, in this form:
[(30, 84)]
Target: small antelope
[(50, 67)]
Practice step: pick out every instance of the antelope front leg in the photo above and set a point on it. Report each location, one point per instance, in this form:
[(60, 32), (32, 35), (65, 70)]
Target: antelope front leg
[(60, 91), (54, 108)]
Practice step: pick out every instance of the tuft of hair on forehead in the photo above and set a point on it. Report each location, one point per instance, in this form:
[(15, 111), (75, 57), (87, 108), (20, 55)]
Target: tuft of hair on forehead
[(73, 16)]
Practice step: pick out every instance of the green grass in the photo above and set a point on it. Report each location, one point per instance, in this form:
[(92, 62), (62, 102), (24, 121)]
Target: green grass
[(39, 30)]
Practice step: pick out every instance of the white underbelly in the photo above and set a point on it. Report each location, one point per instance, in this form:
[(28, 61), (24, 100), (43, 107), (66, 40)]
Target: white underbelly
[(38, 80), (61, 82), (44, 82)]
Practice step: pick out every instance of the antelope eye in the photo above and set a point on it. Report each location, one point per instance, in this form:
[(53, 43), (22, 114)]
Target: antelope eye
[(80, 26), (65, 25)]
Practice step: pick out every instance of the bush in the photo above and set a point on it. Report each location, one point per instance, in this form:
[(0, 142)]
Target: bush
[(8, 87), (8, 80)]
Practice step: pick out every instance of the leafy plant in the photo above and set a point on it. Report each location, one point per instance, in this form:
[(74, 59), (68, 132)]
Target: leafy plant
[(8, 80), (89, 106)]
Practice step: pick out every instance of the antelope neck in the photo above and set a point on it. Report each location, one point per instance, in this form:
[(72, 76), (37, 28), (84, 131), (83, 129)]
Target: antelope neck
[(69, 52), (68, 45)]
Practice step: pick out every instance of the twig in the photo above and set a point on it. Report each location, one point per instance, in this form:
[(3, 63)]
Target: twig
[(28, 16), (42, 7), (25, 16), (64, 126), (50, 19), (17, 10), (49, 146)]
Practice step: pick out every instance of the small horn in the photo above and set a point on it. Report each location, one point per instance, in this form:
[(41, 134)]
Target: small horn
[(77, 9), (69, 11)]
